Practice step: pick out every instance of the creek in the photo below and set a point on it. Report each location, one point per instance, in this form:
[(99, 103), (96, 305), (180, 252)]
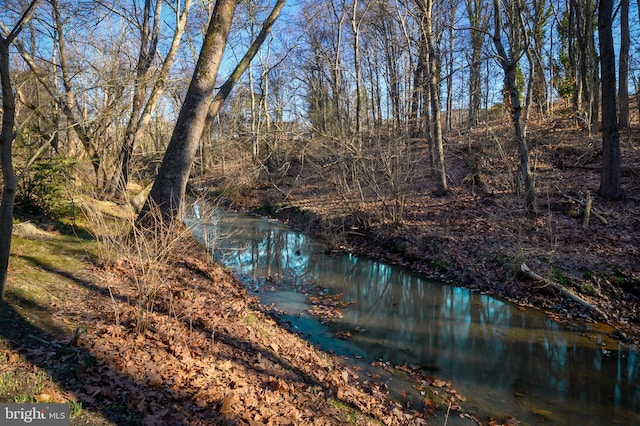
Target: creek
[(506, 360)]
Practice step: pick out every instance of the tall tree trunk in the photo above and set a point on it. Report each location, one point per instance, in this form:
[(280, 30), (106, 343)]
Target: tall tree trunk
[(572, 36), (594, 72), (6, 161), (7, 136), (478, 17), (623, 72), (610, 188), (452, 4), (509, 64), (434, 91), (170, 185), (426, 27), (198, 111), (391, 54), (587, 62), (146, 53), (355, 27)]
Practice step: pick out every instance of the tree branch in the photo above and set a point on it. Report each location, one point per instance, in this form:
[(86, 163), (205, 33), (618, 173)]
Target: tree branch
[(26, 16)]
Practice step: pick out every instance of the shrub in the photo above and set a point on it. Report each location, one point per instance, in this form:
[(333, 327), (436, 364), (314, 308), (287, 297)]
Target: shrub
[(42, 189)]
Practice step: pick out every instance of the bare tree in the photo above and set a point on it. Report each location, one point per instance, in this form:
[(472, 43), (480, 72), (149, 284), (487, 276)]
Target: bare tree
[(7, 136), (65, 98), (586, 60), (611, 163), (198, 110), (145, 100), (241, 67), (452, 8), (425, 21), (537, 17), (356, 24), (533, 26), (509, 64), (623, 72), (478, 16)]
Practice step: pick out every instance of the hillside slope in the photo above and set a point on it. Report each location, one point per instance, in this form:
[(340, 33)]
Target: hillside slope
[(479, 235)]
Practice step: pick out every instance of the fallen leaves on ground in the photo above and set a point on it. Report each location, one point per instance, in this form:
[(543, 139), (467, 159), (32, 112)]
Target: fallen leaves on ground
[(477, 235), (209, 357)]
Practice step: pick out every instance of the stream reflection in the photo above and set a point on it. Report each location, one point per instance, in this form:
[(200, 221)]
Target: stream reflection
[(506, 361)]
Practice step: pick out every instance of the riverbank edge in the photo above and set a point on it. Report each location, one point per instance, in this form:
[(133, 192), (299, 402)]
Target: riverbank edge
[(68, 357), (435, 260)]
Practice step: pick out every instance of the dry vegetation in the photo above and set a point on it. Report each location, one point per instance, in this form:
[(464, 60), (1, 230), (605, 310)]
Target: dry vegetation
[(139, 330), (142, 328), (478, 236)]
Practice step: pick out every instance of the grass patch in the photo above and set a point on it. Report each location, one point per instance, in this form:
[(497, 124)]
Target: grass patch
[(353, 415), (44, 270), (559, 277), (47, 273), (251, 320), (20, 385)]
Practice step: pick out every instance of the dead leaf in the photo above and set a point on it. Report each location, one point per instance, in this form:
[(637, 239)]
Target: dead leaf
[(225, 406), (439, 383), (92, 390), (154, 378), (44, 397)]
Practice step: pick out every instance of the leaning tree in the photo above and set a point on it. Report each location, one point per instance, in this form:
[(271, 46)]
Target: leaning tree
[(198, 109)]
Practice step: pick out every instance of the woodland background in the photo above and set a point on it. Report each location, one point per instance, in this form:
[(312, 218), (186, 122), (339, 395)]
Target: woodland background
[(372, 104), (465, 140)]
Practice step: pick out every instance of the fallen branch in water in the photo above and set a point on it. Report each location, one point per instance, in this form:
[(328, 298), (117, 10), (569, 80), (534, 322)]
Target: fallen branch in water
[(529, 274)]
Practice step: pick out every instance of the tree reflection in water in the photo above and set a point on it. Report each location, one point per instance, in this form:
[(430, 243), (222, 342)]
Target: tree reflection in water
[(505, 360)]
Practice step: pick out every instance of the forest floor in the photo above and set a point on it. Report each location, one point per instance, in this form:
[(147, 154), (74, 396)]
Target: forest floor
[(479, 236), (208, 355)]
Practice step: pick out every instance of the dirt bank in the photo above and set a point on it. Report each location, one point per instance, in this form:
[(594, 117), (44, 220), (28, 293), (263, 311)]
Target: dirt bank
[(207, 354), (478, 236)]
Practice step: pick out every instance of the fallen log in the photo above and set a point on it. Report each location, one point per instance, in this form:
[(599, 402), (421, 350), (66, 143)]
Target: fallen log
[(583, 203), (531, 275)]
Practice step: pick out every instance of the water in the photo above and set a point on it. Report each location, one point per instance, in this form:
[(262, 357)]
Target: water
[(506, 361)]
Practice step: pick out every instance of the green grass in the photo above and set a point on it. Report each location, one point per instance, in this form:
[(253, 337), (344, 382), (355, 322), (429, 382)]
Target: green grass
[(353, 415), (75, 407), (559, 277), (20, 385)]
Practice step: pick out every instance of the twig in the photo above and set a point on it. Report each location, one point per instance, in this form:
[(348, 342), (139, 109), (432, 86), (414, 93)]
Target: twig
[(446, 416)]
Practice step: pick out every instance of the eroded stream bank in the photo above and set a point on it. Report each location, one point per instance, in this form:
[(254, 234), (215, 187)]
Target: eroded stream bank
[(504, 359)]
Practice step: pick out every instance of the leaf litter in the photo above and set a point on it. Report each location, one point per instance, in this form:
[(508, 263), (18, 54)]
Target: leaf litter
[(209, 355)]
